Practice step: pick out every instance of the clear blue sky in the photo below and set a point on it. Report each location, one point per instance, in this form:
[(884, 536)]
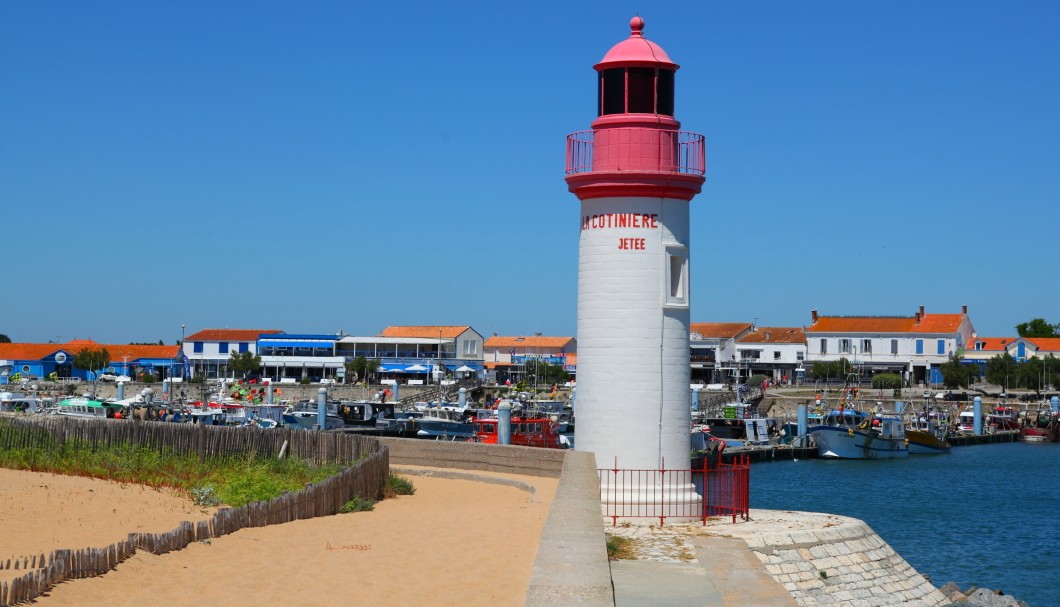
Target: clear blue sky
[(327, 166)]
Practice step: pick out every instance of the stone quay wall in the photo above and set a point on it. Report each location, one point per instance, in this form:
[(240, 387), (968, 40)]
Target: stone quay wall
[(824, 559)]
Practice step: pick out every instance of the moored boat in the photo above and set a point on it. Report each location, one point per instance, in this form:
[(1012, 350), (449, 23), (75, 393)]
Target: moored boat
[(14, 402), (303, 414), (525, 431), (82, 406), (851, 434)]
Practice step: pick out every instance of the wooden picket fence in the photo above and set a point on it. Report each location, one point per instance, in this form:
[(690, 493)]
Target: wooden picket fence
[(366, 465)]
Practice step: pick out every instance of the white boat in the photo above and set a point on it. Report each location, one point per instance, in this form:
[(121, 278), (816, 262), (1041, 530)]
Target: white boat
[(851, 434), (13, 402), (444, 421), (303, 414)]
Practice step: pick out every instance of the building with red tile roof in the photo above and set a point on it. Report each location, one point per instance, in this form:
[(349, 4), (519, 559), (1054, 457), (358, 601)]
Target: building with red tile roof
[(209, 350), (914, 346), (29, 362), (511, 354)]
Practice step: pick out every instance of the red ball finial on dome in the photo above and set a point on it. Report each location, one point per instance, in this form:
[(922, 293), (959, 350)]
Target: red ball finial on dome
[(636, 25)]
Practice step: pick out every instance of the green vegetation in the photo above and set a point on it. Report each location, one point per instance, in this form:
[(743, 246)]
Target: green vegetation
[(4, 339), (957, 375), (358, 504), (1038, 328), (619, 548), (887, 381), (232, 481), (397, 485), (361, 367), (830, 370), (90, 359), (244, 362)]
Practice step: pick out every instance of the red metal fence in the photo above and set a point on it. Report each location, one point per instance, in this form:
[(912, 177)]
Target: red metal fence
[(719, 490)]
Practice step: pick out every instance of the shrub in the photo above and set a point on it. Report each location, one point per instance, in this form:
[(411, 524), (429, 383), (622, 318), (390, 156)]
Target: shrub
[(756, 380), (358, 504), (148, 378), (397, 485), (885, 381), (305, 381)]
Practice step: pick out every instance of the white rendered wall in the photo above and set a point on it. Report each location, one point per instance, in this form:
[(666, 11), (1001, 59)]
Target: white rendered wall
[(633, 346)]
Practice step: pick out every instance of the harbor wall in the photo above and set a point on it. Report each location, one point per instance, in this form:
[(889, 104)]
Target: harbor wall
[(508, 459), (824, 559)]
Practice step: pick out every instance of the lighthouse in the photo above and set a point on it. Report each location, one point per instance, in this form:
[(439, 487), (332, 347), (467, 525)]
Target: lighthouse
[(635, 173)]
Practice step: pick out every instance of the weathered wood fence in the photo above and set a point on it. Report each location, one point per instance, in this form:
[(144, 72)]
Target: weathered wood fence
[(366, 464)]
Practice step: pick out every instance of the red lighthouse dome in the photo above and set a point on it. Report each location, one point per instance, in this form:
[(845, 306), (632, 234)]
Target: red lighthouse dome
[(635, 147)]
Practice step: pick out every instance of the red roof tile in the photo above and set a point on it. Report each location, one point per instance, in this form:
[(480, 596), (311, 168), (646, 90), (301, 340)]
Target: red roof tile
[(230, 334), (1046, 344), (994, 344), (775, 335), (532, 341), (424, 331), (929, 323), (719, 329), (116, 351)]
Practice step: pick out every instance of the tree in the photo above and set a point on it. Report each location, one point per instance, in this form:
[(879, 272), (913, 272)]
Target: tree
[(361, 367), (955, 374), (1001, 370), (4, 339), (244, 362), (1038, 328), (93, 361)]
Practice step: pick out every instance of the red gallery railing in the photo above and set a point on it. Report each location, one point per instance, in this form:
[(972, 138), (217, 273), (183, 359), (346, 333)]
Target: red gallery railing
[(673, 151), (723, 489)]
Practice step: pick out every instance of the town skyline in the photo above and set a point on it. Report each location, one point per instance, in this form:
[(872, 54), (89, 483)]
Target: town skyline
[(337, 168)]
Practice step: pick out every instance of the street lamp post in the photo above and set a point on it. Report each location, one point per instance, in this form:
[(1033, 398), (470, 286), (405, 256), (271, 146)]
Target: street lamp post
[(183, 367)]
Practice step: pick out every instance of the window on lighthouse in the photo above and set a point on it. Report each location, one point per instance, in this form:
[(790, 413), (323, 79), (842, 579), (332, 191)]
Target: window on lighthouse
[(635, 90), (676, 277)]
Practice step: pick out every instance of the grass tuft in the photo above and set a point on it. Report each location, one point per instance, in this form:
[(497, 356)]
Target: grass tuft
[(397, 485), (619, 548), (358, 504)]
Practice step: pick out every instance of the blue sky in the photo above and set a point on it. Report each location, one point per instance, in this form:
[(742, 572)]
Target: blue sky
[(326, 166)]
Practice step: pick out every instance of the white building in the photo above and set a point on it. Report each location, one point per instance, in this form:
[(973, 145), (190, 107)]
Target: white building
[(913, 346), (208, 351)]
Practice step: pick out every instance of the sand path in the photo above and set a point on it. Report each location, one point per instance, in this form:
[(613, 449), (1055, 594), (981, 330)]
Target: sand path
[(455, 542)]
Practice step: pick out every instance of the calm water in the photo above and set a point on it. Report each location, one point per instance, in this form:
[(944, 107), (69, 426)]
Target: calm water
[(986, 515)]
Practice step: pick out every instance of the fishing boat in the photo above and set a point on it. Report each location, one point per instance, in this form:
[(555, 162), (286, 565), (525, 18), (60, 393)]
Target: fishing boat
[(1044, 428), (851, 434), (966, 422), (926, 437), (13, 402), (303, 414), (365, 412), (848, 433), (445, 421), (1004, 418), (525, 431)]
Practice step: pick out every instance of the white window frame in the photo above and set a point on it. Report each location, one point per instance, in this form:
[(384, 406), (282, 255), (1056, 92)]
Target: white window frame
[(675, 293)]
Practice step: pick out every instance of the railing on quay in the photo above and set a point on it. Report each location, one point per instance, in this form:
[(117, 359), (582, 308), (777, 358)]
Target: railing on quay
[(689, 151), (724, 490)]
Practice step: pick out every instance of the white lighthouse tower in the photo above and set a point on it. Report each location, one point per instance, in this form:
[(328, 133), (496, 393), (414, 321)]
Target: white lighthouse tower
[(635, 173)]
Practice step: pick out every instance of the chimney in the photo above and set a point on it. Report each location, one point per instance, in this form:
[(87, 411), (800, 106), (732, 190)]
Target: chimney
[(964, 310), (813, 316), (921, 312)]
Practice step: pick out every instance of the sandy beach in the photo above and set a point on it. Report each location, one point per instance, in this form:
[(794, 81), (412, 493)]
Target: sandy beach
[(455, 542)]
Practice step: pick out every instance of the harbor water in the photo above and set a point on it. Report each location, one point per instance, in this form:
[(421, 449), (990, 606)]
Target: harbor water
[(986, 515)]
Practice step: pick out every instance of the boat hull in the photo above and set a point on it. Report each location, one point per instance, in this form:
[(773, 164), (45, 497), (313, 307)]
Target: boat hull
[(839, 442), (926, 443)]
